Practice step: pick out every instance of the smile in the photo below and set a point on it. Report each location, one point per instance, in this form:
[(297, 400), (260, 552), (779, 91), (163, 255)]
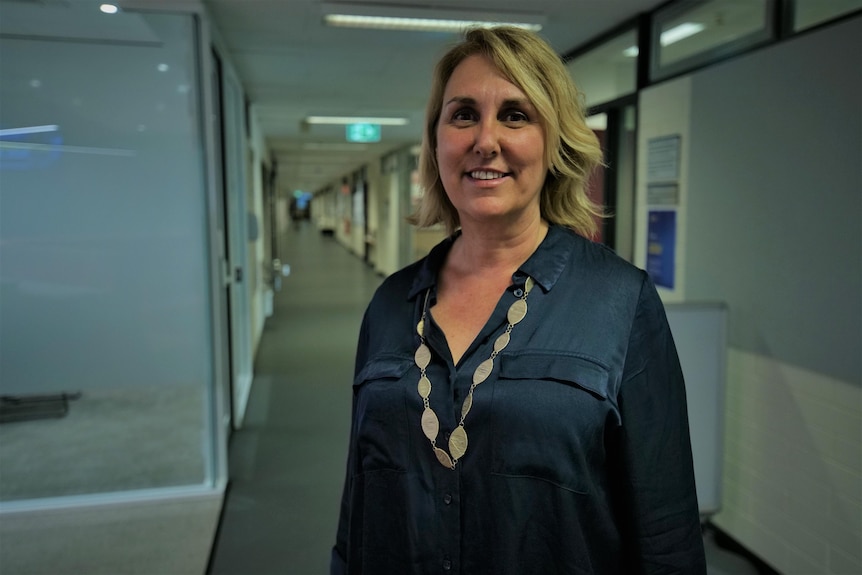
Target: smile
[(486, 175)]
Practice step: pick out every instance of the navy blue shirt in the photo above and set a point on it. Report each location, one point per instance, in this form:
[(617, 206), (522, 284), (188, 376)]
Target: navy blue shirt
[(579, 460)]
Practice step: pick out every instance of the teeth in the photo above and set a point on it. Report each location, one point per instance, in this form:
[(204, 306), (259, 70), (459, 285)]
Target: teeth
[(485, 175)]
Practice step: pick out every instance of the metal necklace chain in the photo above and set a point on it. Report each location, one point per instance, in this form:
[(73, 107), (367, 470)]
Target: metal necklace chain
[(430, 422)]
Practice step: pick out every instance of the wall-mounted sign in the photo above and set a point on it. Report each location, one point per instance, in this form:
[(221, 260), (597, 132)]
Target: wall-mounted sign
[(663, 159), (661, 247), (363, 132), (663, 194)]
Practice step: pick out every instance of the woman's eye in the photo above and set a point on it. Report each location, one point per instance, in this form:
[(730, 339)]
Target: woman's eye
[(515, 116), (464, 115)]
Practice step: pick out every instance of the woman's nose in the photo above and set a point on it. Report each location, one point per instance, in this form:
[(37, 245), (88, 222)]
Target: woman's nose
[(487, 142)]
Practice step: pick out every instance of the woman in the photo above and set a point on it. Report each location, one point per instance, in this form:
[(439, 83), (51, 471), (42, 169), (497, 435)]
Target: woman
[(518, 403)]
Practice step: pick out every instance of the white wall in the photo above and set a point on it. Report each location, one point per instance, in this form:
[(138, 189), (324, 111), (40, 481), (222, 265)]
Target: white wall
[(792, 466), (663, 110), (388, 208)]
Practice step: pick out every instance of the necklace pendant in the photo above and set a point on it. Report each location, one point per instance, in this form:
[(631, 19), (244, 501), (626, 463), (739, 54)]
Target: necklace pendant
[(483, 371), (458, 442), (465, 407), (517, 311), (502, 341), (422, 356), (430, 424), (424, 387), (444, 458)]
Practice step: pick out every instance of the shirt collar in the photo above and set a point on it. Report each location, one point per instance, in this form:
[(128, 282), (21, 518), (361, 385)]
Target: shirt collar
[(548, 262), (545, 265)]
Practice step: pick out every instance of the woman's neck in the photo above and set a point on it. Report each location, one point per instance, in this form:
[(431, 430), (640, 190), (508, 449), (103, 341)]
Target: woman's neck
[(481, 250)]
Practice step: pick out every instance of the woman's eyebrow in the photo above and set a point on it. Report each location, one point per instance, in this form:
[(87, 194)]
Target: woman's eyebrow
[(518, 102), (461, 100), (472, 102)]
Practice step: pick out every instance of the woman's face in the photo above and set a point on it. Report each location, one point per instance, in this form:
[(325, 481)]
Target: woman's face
[(490, 146)]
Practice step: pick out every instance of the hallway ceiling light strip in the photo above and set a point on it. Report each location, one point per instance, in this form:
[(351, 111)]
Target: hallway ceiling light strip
[(422, 19), (356, 120)]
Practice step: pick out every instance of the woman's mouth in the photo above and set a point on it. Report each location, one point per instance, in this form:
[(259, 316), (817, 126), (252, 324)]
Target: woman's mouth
[(486, 175)]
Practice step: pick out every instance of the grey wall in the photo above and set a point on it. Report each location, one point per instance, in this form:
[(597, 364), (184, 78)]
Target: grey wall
[(775, 202)]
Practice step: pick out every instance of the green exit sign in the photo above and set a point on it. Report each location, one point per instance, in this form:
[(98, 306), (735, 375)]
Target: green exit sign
[(363, 132)]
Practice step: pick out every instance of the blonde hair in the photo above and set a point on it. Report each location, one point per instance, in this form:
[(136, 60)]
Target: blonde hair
[(572, 150)]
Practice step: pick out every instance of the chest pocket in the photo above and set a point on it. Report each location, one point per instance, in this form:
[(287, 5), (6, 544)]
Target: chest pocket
[(380, 413), (550, 412)]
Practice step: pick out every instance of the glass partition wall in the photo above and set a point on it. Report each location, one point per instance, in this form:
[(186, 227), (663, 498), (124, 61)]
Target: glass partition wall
[(606, 74), (107, 357)]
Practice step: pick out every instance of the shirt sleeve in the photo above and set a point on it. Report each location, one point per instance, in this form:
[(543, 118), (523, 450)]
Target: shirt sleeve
[(338, 563), (655, 473)]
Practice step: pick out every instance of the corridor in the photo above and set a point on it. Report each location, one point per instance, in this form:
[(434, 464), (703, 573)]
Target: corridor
[(287, 462)]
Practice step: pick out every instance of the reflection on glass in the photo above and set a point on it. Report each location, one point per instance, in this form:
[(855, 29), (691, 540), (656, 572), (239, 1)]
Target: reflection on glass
[(808, 13), (608, 71), (708, 26), (625, 192), (596, 188), (104, 333), (693, 33)]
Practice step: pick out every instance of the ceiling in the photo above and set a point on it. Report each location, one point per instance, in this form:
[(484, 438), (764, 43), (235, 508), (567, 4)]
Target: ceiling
[(292, 66)]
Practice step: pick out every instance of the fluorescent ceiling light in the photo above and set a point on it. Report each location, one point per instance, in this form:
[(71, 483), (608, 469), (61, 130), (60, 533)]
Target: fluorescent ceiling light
[(631, 51), (355, 120), (109, 8), (424, 19), (680, 32)]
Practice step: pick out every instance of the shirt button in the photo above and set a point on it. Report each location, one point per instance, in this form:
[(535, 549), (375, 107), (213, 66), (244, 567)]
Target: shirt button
[(519, 292), (447, 499), (447, 565)]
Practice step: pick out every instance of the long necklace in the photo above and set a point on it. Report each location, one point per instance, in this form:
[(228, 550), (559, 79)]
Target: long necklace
[(430, 422)]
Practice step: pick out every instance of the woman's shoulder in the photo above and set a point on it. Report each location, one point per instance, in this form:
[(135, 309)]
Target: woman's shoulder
[(598, 257), (401, 281)]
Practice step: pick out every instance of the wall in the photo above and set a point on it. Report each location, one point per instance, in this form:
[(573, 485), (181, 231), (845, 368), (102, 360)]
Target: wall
[(386, 233), (664, 110), (259, 267), (374, 192), (771, 225)]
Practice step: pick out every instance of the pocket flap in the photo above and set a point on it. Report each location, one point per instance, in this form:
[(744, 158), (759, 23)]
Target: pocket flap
[(569, 369), (383, 367)]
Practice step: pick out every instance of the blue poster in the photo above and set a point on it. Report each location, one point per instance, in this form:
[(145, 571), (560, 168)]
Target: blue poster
[(661, 246)]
